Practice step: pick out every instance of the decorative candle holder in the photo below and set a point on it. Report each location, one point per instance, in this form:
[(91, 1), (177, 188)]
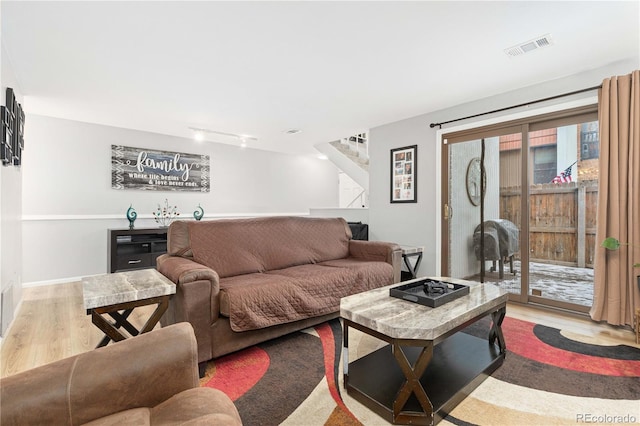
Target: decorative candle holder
[(166, 214)]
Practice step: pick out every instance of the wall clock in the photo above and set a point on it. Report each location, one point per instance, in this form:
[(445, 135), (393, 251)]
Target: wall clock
[(473, 181)]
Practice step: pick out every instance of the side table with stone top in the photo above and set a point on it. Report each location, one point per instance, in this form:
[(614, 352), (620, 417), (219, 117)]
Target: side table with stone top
[(412, 269), (118, 294)]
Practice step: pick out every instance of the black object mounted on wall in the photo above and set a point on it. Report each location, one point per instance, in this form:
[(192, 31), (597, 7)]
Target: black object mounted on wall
[(11, 131)]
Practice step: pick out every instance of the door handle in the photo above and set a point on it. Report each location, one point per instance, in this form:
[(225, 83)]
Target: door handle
[(448, 212)]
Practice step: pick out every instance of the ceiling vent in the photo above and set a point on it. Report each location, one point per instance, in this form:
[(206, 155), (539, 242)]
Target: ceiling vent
[(529, 46)]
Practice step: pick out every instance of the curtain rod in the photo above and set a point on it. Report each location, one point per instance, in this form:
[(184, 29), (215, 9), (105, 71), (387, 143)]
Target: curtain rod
[(432, 125)]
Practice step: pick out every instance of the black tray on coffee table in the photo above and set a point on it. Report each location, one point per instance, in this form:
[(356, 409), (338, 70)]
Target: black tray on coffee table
[(417, 292)]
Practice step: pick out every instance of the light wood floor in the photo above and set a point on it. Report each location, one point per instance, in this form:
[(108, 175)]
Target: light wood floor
[(52, 324)]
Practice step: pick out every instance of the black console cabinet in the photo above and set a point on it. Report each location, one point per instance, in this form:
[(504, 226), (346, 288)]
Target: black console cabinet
[(359, 230), (135, 248)]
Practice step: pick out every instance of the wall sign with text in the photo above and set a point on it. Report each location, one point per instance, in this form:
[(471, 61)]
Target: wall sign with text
[(147, 169)]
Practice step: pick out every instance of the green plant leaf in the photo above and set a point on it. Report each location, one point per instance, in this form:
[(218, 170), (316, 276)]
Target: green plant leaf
[(611, 243)]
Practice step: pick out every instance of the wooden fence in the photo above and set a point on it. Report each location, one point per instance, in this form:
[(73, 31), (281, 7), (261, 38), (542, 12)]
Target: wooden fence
[(562, 221)]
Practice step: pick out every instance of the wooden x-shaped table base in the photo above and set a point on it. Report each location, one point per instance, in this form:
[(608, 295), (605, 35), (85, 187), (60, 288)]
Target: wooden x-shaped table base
[(412, 385), (371, 378), (120, 313)]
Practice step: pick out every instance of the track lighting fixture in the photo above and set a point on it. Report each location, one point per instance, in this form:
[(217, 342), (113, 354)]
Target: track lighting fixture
[(200, 134)]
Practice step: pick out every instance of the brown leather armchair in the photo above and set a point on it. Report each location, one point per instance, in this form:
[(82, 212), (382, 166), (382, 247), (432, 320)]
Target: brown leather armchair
[(146, 380)]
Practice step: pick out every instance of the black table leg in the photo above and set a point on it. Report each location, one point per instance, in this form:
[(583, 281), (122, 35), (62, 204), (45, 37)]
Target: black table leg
[(413, 269), (496, 329)]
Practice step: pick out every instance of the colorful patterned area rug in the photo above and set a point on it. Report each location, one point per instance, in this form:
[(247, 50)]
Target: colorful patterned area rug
[(549, 377)]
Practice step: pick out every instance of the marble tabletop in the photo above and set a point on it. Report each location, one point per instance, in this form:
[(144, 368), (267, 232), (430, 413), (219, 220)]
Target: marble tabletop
[(411, 249), (401, 319), (121, 287)]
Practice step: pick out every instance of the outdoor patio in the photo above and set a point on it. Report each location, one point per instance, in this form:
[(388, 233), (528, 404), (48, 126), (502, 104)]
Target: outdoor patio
[(565, 283)]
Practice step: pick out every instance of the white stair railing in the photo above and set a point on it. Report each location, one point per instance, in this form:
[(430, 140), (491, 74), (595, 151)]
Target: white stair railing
[(359, 197), (351, 155), (357, 144)]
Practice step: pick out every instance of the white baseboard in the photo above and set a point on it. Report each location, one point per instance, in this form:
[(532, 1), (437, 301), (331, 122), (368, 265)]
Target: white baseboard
[(56, 281), (15, 314)]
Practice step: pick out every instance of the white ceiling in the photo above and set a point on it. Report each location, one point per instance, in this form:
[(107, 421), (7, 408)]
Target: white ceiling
[(331, 69)]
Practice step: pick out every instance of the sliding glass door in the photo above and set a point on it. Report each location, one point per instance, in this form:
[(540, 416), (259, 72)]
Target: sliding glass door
[(519, 203), (563, 192), (482, 219)]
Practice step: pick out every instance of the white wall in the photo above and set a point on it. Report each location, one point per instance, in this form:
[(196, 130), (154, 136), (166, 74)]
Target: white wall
[(419, 224), (10, 215), (567, 149), (349, 191), (350, 215), (68, 202)]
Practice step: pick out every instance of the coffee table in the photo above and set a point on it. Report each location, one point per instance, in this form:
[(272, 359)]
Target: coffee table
[(428, 366), (118, 294)]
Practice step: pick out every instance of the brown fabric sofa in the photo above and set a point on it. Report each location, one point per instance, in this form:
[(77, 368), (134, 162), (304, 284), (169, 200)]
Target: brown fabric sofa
[(150, 379), (244, 281)]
